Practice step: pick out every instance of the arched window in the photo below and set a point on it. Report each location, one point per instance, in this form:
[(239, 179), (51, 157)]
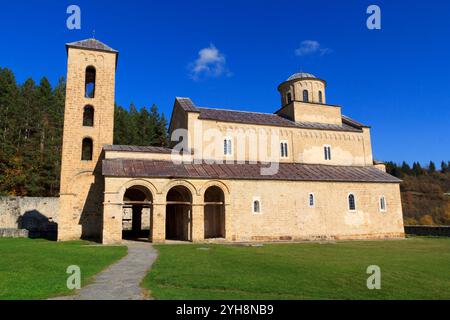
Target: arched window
[(320, 97), (305, 96), (284, 149), (256, 205), (327, 152), (383, 204), (88, 116), (311, 200), (351, 202), (87, 147), (289, 97), (90, 82)]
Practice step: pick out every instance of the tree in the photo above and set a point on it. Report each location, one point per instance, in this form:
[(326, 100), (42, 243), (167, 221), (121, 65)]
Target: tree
[(444, 167), (406, 169), (431, 167), (417, 169)]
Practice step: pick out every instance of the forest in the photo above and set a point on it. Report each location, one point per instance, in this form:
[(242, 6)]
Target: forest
[(31, 122)]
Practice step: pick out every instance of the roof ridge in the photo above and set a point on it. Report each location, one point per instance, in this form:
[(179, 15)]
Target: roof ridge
[(243, 111)]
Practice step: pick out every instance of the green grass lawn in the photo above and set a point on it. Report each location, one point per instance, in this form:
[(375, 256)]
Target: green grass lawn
[(36, 269), (416, 268)]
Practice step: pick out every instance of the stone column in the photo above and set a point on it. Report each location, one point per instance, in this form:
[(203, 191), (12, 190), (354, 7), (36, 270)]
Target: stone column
[(198, 223), (159, 223), (112, 223)]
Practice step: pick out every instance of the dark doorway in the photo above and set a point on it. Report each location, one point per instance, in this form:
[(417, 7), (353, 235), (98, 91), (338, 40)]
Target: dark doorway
[(178, 214), (137, 218), (214, 212)]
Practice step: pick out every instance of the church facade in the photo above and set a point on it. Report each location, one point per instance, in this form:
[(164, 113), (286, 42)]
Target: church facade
[(305, 172)]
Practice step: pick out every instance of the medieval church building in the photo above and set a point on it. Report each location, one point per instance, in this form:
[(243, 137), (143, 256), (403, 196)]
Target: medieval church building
[(318, 181)]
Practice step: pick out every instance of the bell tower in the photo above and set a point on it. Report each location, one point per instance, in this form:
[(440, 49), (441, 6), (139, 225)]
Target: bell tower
[(88, 126)]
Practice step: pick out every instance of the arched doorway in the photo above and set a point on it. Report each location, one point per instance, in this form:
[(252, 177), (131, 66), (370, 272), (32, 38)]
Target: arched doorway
[(179, 214), (137, 218), (214, 212)]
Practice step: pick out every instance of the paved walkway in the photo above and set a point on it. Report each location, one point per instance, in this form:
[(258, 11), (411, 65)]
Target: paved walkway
[(121, 281)]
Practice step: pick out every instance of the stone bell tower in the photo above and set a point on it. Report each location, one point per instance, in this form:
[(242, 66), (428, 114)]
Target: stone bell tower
[(88, 126)]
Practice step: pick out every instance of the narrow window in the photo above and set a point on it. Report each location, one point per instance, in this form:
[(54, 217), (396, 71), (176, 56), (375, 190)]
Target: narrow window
[(256, 206), (382, 204), (289, 98), (351, 202), (227, 147), (90, 82), (305, 96), (86, 152), (88, 116), (320, 97), (327, 152), (311, 200), (284, 149)]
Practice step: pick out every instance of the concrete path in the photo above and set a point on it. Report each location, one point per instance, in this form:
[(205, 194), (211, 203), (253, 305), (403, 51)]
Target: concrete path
[(121, 281)]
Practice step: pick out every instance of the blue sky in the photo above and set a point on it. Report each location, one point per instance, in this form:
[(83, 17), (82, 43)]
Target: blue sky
[(395, 79)]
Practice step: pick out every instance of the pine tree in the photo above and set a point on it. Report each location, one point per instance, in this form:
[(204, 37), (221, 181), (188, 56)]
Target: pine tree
[(444, 167), (417, 169), (431, 167)]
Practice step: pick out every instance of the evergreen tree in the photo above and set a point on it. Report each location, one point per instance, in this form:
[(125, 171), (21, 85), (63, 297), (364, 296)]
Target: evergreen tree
[(444, 167), (431, 167), (417, 169), (406, 169)]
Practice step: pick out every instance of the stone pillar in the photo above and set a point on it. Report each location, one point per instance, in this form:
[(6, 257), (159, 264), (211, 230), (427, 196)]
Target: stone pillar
[(159, 223), (198, 223), (112, 223)]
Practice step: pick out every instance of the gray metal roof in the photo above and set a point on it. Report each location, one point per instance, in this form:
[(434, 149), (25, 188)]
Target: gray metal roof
[(91, 44), (269, 119), (245, 171), (301, 75)]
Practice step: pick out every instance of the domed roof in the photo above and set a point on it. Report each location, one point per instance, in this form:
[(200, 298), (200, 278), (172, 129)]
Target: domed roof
[(301, 75)]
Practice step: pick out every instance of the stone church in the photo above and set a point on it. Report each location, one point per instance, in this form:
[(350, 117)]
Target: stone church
[(305, 172)]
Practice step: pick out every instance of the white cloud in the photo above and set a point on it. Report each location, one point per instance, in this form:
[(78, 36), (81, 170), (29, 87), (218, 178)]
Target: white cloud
[(210, 63), (308, 47)]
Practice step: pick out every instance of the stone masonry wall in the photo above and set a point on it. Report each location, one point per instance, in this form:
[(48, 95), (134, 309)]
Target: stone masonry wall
[(37, 215)]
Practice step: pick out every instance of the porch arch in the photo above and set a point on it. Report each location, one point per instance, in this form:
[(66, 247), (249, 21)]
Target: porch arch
[(179, 213)]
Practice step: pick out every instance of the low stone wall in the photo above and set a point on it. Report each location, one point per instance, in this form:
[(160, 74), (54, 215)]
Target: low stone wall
[(436, 231), (13, 233), (37, 215)]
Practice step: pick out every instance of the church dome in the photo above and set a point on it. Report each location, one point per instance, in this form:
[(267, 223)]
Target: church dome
[(301, 75)]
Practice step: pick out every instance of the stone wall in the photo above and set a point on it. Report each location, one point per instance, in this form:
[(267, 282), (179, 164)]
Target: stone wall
[(37, 215)]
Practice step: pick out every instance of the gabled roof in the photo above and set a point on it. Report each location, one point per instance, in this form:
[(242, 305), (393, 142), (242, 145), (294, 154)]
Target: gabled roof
[(269, 119), (246, 171), (91, 44)]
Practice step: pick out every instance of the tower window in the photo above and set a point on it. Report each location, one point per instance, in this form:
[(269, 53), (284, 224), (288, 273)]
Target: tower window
[(284, 149), (256, 208), (289, 97), (86, 152), (327, 152), (383, 204), (311, 200), (88, 116), (90, 82), (227, 147), (351, 202), (320, 97), (305, 96)]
